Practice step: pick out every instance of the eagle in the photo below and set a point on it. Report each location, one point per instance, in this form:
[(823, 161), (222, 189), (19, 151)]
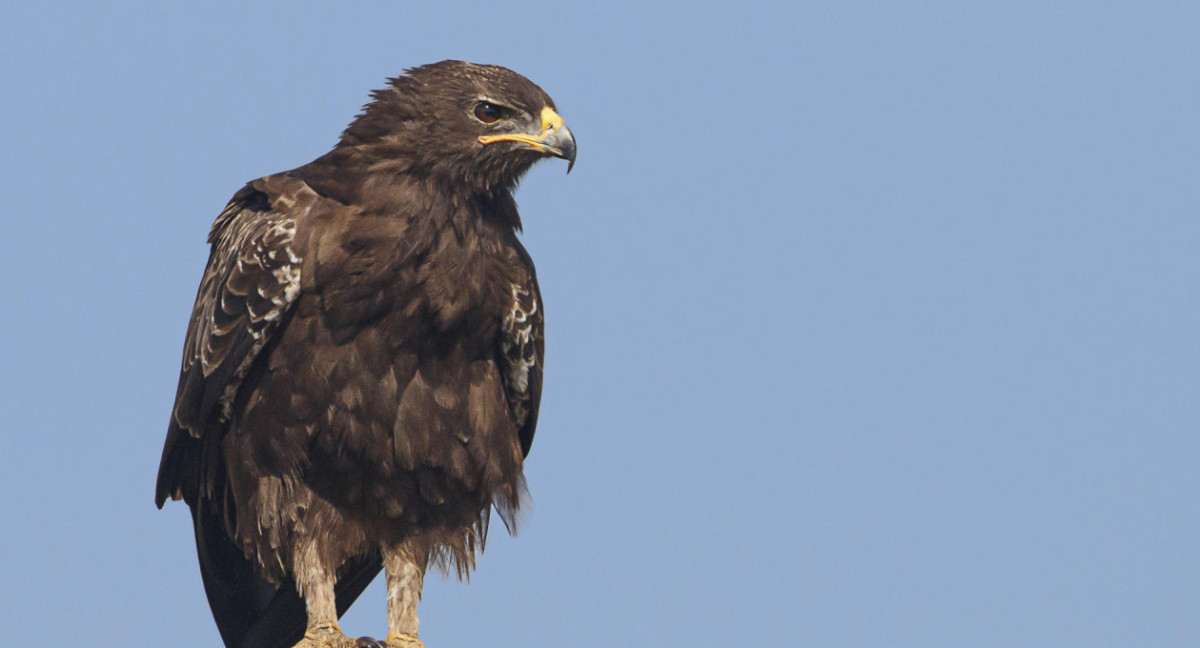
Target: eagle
[(363, 366)]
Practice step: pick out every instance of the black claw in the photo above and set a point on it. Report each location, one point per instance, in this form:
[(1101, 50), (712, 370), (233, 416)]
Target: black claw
[(369, 642)]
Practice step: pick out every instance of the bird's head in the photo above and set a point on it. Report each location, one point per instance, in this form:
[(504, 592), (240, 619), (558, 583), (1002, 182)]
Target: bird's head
[(482, 125)]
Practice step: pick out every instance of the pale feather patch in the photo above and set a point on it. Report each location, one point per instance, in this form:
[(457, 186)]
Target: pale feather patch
[(267, 269), (518, 348)]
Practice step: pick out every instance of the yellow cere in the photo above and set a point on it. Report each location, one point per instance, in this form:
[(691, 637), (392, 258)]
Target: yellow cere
[(550, 119), (550, 122)]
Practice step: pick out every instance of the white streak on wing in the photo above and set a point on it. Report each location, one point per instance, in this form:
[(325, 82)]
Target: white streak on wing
[(289, 276), (518, 331), (279, 235)]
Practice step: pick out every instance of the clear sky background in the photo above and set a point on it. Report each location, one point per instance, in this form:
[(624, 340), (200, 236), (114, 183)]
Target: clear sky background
[(869, 323)]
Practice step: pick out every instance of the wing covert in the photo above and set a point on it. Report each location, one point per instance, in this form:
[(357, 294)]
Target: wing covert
[(251, 281), (522, 349)]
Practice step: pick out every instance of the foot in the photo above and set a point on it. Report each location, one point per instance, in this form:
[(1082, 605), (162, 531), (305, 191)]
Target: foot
[(326, 635), (370, 642), (403, 640)]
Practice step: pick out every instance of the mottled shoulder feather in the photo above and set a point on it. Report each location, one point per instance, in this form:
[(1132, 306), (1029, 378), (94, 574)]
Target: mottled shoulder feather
[(251, 281), (522, 348)]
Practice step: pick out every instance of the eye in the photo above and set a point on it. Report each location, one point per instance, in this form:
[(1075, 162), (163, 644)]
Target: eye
[(490, 113)]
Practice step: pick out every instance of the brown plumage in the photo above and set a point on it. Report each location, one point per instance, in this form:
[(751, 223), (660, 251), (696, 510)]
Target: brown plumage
[(362, 371)]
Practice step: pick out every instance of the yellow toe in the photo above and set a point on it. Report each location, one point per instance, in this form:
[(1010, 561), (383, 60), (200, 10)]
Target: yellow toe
[(324, 635), (403, 640)]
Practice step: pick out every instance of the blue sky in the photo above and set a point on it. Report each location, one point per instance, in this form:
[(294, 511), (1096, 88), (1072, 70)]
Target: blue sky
[(869, 324)]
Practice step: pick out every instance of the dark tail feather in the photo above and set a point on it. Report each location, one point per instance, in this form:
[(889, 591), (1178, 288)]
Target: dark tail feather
[(251, 612)]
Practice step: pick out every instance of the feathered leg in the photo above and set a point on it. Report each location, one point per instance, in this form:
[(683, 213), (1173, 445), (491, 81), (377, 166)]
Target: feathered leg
[(405, 566), (316, 582)]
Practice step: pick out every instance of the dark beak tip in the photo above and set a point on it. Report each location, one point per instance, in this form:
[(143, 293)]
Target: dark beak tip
[(569, 154), (561, 144)]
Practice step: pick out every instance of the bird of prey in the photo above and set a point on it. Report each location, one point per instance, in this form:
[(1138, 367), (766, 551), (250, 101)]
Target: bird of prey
[(363, 367)]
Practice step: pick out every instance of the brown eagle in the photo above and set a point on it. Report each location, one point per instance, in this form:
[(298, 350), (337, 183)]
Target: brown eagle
[(363, 367)]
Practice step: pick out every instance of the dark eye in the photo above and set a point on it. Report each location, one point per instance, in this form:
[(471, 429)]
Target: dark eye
[(489, 113)]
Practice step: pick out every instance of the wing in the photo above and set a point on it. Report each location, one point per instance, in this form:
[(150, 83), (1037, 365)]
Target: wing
[(249, 286), (522, 350)]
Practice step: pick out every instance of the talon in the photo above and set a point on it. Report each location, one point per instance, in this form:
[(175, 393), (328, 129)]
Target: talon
[(403, 640), (325, 635), (369, 642)]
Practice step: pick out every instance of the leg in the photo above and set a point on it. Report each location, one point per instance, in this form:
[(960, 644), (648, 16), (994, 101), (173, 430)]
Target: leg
[(405, 566), (315, 582)]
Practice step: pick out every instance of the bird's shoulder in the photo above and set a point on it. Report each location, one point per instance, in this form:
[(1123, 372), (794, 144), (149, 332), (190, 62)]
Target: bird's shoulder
[(255, 273), (250, 285)]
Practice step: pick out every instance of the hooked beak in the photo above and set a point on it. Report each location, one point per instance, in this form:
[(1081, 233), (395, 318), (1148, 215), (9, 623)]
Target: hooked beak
[(554, 139)]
